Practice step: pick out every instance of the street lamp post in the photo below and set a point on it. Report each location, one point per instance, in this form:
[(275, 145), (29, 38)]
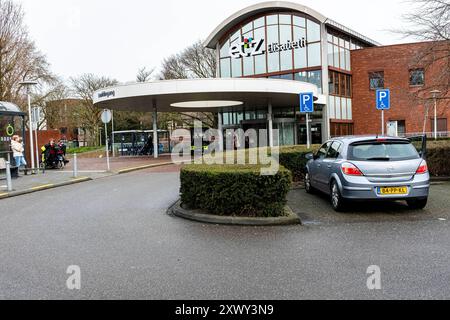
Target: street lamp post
[(28, 85), (435, 93)]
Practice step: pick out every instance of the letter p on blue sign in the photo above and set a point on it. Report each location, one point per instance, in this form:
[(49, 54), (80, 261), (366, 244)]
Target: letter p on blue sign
[(383, 99), (306, 102)]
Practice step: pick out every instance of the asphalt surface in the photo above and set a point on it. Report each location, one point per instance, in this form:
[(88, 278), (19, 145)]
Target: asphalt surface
[(117, 230)]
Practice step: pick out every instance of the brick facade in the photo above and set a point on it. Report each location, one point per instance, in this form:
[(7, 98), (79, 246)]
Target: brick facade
[(408, 103)]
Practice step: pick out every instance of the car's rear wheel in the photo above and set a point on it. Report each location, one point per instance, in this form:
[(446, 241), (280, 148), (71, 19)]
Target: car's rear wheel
[(417, 204), (308, 187), (337, 201)]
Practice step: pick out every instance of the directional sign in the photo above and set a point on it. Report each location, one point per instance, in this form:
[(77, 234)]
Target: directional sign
[(306, 102), (383, 99), (106, 116)]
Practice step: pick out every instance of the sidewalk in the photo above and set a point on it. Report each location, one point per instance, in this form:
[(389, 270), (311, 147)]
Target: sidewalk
[(88, 169)]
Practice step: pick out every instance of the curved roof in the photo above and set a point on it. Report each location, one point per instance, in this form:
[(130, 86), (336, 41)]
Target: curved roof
[(248, 12), (9, 107), (262, 7), (202, 95)]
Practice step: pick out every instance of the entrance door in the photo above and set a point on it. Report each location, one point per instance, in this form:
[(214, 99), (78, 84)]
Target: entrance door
[(316, 133)]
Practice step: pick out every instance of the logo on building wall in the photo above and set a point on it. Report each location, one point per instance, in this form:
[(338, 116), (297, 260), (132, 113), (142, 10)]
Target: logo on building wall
[(247, 48), (106, 94), (10, 130), (289, 45)]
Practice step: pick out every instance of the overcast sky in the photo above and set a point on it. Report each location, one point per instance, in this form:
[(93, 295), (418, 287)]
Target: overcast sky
[(115, 38)]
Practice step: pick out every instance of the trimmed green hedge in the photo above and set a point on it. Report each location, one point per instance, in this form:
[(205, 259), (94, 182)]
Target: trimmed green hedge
[(235, 190), (294, 159), (438, 158)]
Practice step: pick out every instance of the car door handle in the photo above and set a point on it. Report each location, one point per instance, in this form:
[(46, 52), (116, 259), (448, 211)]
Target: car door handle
[(319, 165), (329, 166)]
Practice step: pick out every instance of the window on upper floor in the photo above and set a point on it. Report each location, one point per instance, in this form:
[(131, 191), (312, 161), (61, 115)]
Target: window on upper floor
[(416, 77), (376, 80)]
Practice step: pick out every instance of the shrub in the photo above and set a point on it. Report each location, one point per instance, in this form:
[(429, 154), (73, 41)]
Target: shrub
[(294, 159), (235, 190), (438, 158)]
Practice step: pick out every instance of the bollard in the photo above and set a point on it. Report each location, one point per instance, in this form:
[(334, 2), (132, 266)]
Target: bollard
[(8, 176), (75, 166)]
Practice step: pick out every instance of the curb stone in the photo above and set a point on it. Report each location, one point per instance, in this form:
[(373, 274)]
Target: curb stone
[(43, 187), (199, 216)]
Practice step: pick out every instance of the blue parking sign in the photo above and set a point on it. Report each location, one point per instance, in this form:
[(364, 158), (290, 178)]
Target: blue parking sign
[(383, 99), (306, 102)]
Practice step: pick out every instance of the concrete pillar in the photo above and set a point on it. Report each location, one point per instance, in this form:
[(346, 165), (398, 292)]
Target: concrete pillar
[(326, 132), (155, 132), (220, 128), (270, 122)]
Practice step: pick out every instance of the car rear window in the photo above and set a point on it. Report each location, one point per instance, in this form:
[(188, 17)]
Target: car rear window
[(383, 151)]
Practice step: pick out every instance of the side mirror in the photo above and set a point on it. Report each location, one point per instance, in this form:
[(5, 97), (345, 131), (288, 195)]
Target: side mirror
[(309, 156)]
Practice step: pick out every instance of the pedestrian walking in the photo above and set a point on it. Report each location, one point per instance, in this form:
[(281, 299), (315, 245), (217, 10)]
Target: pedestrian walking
[(17, 148)]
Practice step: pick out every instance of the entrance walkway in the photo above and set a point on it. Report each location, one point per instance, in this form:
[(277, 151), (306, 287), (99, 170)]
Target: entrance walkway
[(88, 169)]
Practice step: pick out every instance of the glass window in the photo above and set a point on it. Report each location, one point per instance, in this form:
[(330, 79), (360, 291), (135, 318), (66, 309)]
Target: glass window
[(299, 53), (287, 76), (274, 57), (273, 19), (313, 30), (225, 68), (260, 60), (248, 27), (334, 151), (416, 77), (299, 21), (376, 80), (236, 68), (331, 108), (323, 150), (344, 108), (314, 55), (301, 76), (236, 36), (315, 77), (285, 19), (342, 58), (342, 83), (259, 23), (391, 151), (347, 60), (336, 56), (330, 55), (248, 66), (348, 86), (250, 115), (225, 50), (331, 85), (349, 109), (338, 108), (285, 56)]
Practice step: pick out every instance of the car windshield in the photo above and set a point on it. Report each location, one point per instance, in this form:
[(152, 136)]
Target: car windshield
[(383, 151)]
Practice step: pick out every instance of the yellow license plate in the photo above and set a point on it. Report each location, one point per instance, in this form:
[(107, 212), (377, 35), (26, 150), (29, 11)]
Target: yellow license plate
[(393, 190)]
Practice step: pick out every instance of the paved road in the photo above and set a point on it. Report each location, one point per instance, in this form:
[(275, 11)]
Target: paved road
[(117, 230)]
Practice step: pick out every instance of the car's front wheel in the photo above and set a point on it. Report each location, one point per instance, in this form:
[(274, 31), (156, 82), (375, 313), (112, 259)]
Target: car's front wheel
[(308, 187), (417, 204), (337, 201)]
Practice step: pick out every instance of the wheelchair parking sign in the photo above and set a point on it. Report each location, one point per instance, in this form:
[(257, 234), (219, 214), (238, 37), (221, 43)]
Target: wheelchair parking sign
[(306, 102), (383, 99)]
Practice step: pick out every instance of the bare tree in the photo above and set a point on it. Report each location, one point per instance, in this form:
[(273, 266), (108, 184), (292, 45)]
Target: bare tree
[(19, 58), (84, 87), (144, 75), (429, 21), (196, 61)]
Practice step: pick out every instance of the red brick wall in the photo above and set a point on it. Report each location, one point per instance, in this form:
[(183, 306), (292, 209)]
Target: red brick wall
[(407, 103), (43, 138)]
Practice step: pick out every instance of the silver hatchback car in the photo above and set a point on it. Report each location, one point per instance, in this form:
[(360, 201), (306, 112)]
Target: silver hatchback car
[(370, 168)]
